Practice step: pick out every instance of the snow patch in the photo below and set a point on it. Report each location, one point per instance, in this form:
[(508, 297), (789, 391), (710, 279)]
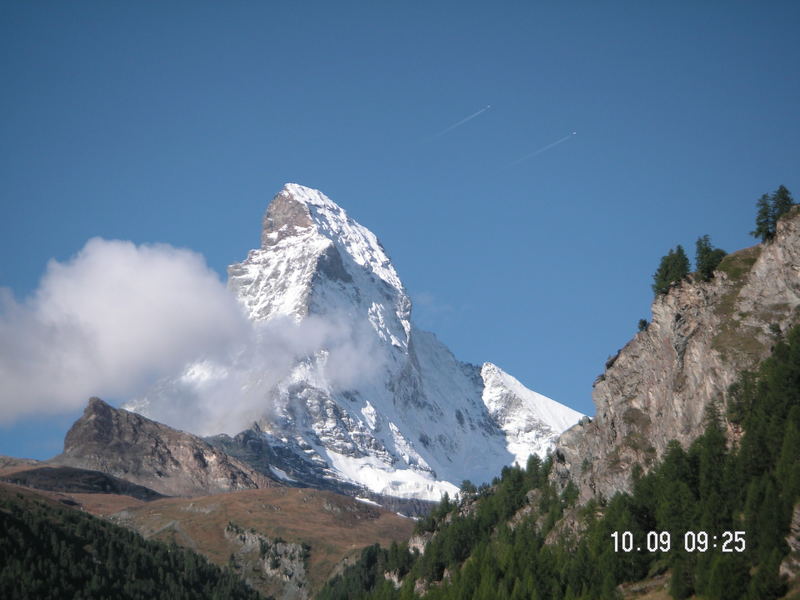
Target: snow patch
[(367, 501), (281, 474), (401, 483)]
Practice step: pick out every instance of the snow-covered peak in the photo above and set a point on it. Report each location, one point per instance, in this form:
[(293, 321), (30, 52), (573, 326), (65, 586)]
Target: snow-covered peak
[(530, 420), (363, 397), (315, 259), (296, 208), (310, 196)]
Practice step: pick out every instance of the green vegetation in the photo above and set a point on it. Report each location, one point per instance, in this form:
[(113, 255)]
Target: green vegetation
[(512, 540), (51, 552), (770, 209), (674, 267), (738, 264), (707, 258)]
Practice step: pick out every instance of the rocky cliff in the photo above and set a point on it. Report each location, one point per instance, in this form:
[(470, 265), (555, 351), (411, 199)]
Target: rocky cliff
[(702, 335), (136, 449)]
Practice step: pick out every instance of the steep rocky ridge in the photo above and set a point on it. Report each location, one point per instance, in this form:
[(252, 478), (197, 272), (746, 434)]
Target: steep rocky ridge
[(702, 335), (136, 449)]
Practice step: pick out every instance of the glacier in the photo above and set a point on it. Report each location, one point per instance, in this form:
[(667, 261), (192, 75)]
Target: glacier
[(353, 392)]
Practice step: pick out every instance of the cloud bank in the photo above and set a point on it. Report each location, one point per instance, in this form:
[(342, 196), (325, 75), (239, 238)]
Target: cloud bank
[(254, 382), (154, 324), (106, 323)]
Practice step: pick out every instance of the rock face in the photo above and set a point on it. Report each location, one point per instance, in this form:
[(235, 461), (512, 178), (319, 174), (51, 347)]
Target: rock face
[(136, 449), (376, 403), (271, 559), (658, 387)]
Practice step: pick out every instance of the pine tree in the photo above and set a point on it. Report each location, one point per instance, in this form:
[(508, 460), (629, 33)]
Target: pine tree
[(767, 584), (787, 469), (782, 201), (764, 222), (770, 210), (707, 258), (680, 584), (681, 267), (729, 576), (673, 268)]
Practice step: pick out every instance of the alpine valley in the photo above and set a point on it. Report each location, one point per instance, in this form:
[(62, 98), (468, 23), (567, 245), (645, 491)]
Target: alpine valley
[(332, 425), (311, 446)]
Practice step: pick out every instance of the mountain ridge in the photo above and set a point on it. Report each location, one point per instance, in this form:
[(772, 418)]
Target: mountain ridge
[(139, 450)]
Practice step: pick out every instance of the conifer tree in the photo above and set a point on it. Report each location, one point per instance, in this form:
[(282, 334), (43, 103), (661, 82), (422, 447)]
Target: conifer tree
[(764, 227), (680, 584), (767, 584), (787, 469), (770, 209), (707, 258), (673, 268), (729, 575), (782, 201)]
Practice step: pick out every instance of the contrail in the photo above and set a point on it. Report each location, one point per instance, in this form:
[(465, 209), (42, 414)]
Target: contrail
[(543, 149), (461, 122)]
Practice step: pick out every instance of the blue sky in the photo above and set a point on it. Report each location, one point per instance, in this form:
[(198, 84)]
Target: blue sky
[(177, 122)]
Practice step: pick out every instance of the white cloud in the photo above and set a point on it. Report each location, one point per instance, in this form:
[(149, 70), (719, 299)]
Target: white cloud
[(227, 394), (154, 324), (108, 322)]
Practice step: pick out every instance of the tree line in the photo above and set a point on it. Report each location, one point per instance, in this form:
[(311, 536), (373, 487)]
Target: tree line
[(674, 267)]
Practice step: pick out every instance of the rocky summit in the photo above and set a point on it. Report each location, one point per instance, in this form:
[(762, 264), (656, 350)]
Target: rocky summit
[(356, 394)]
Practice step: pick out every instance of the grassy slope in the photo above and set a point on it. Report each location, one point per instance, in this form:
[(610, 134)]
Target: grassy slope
[(334, 526)]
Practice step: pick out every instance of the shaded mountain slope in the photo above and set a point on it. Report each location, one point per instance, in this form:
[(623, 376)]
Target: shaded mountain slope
[(79, 481)]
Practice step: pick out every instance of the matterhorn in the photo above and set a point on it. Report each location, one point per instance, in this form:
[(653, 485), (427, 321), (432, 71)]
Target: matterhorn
[(338, 388)]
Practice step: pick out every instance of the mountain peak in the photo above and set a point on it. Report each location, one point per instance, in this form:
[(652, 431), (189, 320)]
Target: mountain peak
[(296, 208), (308, 241), (96, 404), (308, 195), (284, 216), (370, 400)]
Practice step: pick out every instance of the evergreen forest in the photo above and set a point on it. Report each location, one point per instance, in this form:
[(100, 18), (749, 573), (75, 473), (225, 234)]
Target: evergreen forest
[(52, 552)]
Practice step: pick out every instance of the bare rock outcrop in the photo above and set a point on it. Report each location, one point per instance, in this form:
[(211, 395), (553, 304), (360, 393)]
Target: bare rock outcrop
[(659, 386), (136, 449), (270, 563)]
